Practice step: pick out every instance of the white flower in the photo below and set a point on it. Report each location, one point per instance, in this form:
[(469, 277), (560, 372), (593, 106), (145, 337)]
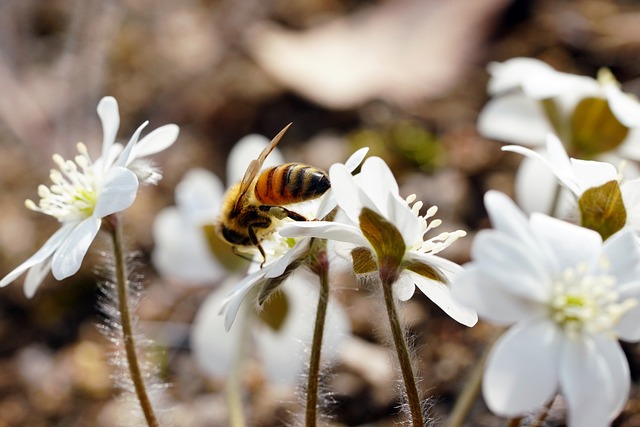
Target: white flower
[(569, 298), (281, 349), (577, 175), (282, 251), (516, 114), (83, 193), (593, 118), (376, 189), (181, 232)]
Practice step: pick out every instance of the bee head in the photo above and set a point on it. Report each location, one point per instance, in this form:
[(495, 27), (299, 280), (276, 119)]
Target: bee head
[(234, 237)]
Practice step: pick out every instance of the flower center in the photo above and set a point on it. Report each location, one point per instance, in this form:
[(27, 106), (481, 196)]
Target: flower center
[(73, 193), (583, 302)]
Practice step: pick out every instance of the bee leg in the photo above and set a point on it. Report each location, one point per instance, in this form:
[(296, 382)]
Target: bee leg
[(282, 212), (256, 243), (242, 255)]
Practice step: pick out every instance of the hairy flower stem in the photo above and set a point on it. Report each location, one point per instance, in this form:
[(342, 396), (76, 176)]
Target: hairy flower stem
[(404, 358), (122, 285), (471, 389), (234, 395), (320, 266)]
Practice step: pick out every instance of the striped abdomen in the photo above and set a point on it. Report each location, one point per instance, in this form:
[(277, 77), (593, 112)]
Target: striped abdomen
[(290, 183)]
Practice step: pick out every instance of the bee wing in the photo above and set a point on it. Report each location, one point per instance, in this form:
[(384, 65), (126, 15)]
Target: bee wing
[(254, 167)]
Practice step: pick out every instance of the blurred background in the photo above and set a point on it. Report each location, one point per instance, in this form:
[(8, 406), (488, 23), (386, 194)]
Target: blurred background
[(406, 78)]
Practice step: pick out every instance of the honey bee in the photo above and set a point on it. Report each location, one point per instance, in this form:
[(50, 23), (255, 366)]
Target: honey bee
[(252, 207)]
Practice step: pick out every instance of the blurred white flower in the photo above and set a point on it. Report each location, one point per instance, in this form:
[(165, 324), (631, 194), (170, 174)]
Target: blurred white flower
[(375, 189), (83, 192), (181, 232), (577, 175), (280, 331), (569, 298), (593, 118)]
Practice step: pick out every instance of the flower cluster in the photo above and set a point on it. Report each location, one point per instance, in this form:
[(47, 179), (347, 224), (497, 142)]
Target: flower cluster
[(567, 283)]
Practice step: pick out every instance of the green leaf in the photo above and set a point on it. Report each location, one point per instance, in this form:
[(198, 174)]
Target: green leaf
[(602, 209), (363, 261), (384, 237), (595, 129), (274, 311), (386, 241)]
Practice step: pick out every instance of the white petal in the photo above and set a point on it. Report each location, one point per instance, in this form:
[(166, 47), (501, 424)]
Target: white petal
[(618, 371), (126, 157), (440, 294), (505, 216), (35, 276), (232, 303), (246, 150), (522, 370), (625, 107), (328, 201), (512, 266), (630, 148), (356, 158), (278, 267), (631, 198), (569, 244), (347, 193), (588, 365), (628, 327), (591, 173), (492, 300), (555, 158), (68, 258), (377, 181), (536, 189), (215, 349), (110, 118), (514, 118), (41, 254), (510, 74), (380, 186), (404, 287), (549, 84), (199, 195), (623, 254), (158, 140), (324, 230), (118, 192), (181, 250)]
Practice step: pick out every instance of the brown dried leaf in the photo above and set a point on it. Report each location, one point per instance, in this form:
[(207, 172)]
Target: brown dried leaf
[(400, 51)]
